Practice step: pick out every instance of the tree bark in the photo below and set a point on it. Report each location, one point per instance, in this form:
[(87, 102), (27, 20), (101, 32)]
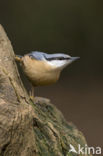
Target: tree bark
[(29, 128)]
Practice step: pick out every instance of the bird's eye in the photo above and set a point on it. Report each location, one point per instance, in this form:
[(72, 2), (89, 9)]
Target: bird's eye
[(57, 58), (63, 58)]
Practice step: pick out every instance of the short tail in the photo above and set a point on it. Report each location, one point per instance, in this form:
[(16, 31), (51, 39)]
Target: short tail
[(18, 58)]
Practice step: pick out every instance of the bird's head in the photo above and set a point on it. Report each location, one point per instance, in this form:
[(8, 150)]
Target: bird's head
[(60, 61), (57, 61)]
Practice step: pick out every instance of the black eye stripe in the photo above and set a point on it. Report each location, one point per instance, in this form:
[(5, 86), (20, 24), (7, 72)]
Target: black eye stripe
[(57, 58)]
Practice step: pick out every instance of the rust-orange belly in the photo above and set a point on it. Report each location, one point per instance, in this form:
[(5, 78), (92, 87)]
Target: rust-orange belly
[(39, 72)]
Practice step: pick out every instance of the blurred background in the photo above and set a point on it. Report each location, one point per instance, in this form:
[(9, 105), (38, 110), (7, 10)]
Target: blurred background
[(64, 26)]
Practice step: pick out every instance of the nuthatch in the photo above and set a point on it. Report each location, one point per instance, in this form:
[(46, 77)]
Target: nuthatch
[(42, 68)]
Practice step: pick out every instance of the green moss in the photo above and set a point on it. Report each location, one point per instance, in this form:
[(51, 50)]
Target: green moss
[(53, 133)]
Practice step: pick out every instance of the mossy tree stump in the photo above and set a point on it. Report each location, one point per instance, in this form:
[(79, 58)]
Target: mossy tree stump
[(29, 128)]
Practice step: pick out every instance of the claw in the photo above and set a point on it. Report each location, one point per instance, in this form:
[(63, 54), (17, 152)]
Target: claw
[(32, 98)]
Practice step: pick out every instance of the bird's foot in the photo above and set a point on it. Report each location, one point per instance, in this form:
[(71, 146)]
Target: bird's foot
[(32, 98)]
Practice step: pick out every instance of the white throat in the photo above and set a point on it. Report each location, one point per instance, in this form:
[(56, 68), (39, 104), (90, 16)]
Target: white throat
[(59, 64)]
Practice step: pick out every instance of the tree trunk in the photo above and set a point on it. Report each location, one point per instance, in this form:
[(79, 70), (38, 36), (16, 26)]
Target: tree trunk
[(29, 128)]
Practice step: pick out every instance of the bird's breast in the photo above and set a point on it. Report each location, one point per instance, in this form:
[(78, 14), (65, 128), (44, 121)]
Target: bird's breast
[(39, 72)]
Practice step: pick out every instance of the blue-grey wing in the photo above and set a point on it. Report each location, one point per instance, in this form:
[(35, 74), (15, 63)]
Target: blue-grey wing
[(37, 55)]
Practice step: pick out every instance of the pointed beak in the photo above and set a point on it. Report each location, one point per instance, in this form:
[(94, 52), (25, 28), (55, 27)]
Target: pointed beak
[(74, 58)]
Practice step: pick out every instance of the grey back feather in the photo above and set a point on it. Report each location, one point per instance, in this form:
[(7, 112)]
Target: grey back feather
[(44, 56)]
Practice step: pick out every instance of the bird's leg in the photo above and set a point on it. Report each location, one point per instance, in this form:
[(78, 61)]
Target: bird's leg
[(31, 93)]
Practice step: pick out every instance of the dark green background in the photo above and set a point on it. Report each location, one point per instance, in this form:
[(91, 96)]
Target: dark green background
[(74, 27)]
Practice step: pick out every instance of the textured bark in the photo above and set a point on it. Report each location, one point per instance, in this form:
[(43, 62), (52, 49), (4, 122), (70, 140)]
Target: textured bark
[(29, 128)]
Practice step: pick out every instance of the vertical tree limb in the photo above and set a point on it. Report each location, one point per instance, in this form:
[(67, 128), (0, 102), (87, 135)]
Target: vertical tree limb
[(29, 128)]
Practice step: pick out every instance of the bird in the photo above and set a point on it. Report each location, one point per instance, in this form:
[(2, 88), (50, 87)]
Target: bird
[(42, 68)]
